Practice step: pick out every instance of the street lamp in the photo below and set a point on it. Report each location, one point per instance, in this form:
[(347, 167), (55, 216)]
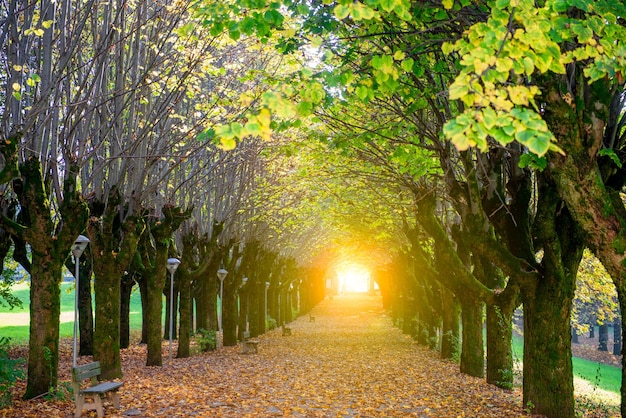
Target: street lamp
[(267, 286), (77, 250), (172, 265), (243, 283), (221, 274)]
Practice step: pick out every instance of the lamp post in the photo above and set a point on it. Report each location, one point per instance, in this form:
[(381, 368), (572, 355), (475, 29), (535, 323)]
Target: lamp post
[(221, 274), (172, 265), (77, 250), (243, 283), (267, 286)]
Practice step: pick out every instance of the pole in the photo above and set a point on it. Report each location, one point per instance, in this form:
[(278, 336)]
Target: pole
[(76, 263), (171, 311), (221, 302)]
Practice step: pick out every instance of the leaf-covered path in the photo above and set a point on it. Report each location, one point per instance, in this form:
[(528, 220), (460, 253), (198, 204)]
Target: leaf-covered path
[(349, 362)]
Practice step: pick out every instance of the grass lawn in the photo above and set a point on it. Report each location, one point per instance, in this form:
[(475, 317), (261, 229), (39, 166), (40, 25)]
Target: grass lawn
[(19, 333), (591, 379)]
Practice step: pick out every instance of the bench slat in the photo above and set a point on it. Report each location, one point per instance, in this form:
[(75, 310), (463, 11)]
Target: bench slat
[(102, 387), (86, 371)]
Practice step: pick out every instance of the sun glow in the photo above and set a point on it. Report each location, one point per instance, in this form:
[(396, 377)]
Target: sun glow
[(353, 278)]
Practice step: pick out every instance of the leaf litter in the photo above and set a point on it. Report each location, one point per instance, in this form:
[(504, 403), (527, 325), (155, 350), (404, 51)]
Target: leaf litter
[(350, 362)]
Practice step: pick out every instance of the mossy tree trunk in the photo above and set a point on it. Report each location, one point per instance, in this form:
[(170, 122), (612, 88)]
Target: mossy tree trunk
[(230, 308), (450, 331), (184, 312), (50, 244), (128, 282), (85, 311), (499, 325), (548, 375), (188, 273), (113, 247), (472, 343), (155, 262)]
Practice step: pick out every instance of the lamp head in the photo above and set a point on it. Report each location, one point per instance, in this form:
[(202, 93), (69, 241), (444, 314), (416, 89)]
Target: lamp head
[(79, 246), (221, 274), (172, 264)]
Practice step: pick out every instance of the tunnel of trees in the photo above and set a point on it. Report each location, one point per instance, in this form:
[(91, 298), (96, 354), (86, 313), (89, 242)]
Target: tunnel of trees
[(456, 148)]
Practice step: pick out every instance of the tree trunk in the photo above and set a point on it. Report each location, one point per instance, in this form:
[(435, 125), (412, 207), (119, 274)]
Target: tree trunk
[(126, 291), (85, 311), (621, 297), (603, 337), (243, 312), (107, 288), (229, 313), (202, 300), (450, 325), (143, 292), (184, 309), (154, 307), (50, 247), (499, 339), (472, 346), (548, 376), (171, 308), (113, 248), (45, 308), (155, 255), (617, 337), (499, 325), (548, 380), (575, 336)]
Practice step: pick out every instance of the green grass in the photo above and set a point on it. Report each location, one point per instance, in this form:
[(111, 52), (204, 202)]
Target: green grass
[(601, 376), (19, 334)]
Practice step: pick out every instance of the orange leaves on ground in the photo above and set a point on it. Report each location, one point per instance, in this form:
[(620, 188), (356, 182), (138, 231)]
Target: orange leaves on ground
[(350, 362)]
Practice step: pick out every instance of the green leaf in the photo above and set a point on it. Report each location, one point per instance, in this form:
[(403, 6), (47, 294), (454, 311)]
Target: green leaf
[(502, 4), (612, 155), (388, 5), (228, 144), (489, 117), (341, 11), (407, 65), (533, 161)]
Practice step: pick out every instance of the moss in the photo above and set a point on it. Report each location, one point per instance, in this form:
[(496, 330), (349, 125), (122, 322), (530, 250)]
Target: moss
[(619, 244)]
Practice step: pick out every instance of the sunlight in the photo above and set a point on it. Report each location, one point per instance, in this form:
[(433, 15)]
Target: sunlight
[(353, 278)]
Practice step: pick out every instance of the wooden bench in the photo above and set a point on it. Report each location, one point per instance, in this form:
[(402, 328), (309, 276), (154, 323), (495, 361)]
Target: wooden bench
[(311, 318), (286, 331), (249, 345), (96, 391)]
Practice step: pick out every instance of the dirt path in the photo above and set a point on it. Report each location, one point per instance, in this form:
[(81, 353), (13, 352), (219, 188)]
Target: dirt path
[(349, 362), (23, 318)]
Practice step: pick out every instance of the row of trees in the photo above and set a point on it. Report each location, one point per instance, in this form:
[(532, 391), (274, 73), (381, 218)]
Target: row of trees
[(102, 107), (504, 122), (467, 229)]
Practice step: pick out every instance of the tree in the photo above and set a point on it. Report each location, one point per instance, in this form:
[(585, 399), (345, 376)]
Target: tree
[(577, 66)]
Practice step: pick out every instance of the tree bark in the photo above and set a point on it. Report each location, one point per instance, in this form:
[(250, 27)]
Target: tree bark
[(230, 310), (85, 311), (603, 337), (113, 248), (450, 326), (548, 376), (184, 310), (126, 291), (50, 246), (472, 351)]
